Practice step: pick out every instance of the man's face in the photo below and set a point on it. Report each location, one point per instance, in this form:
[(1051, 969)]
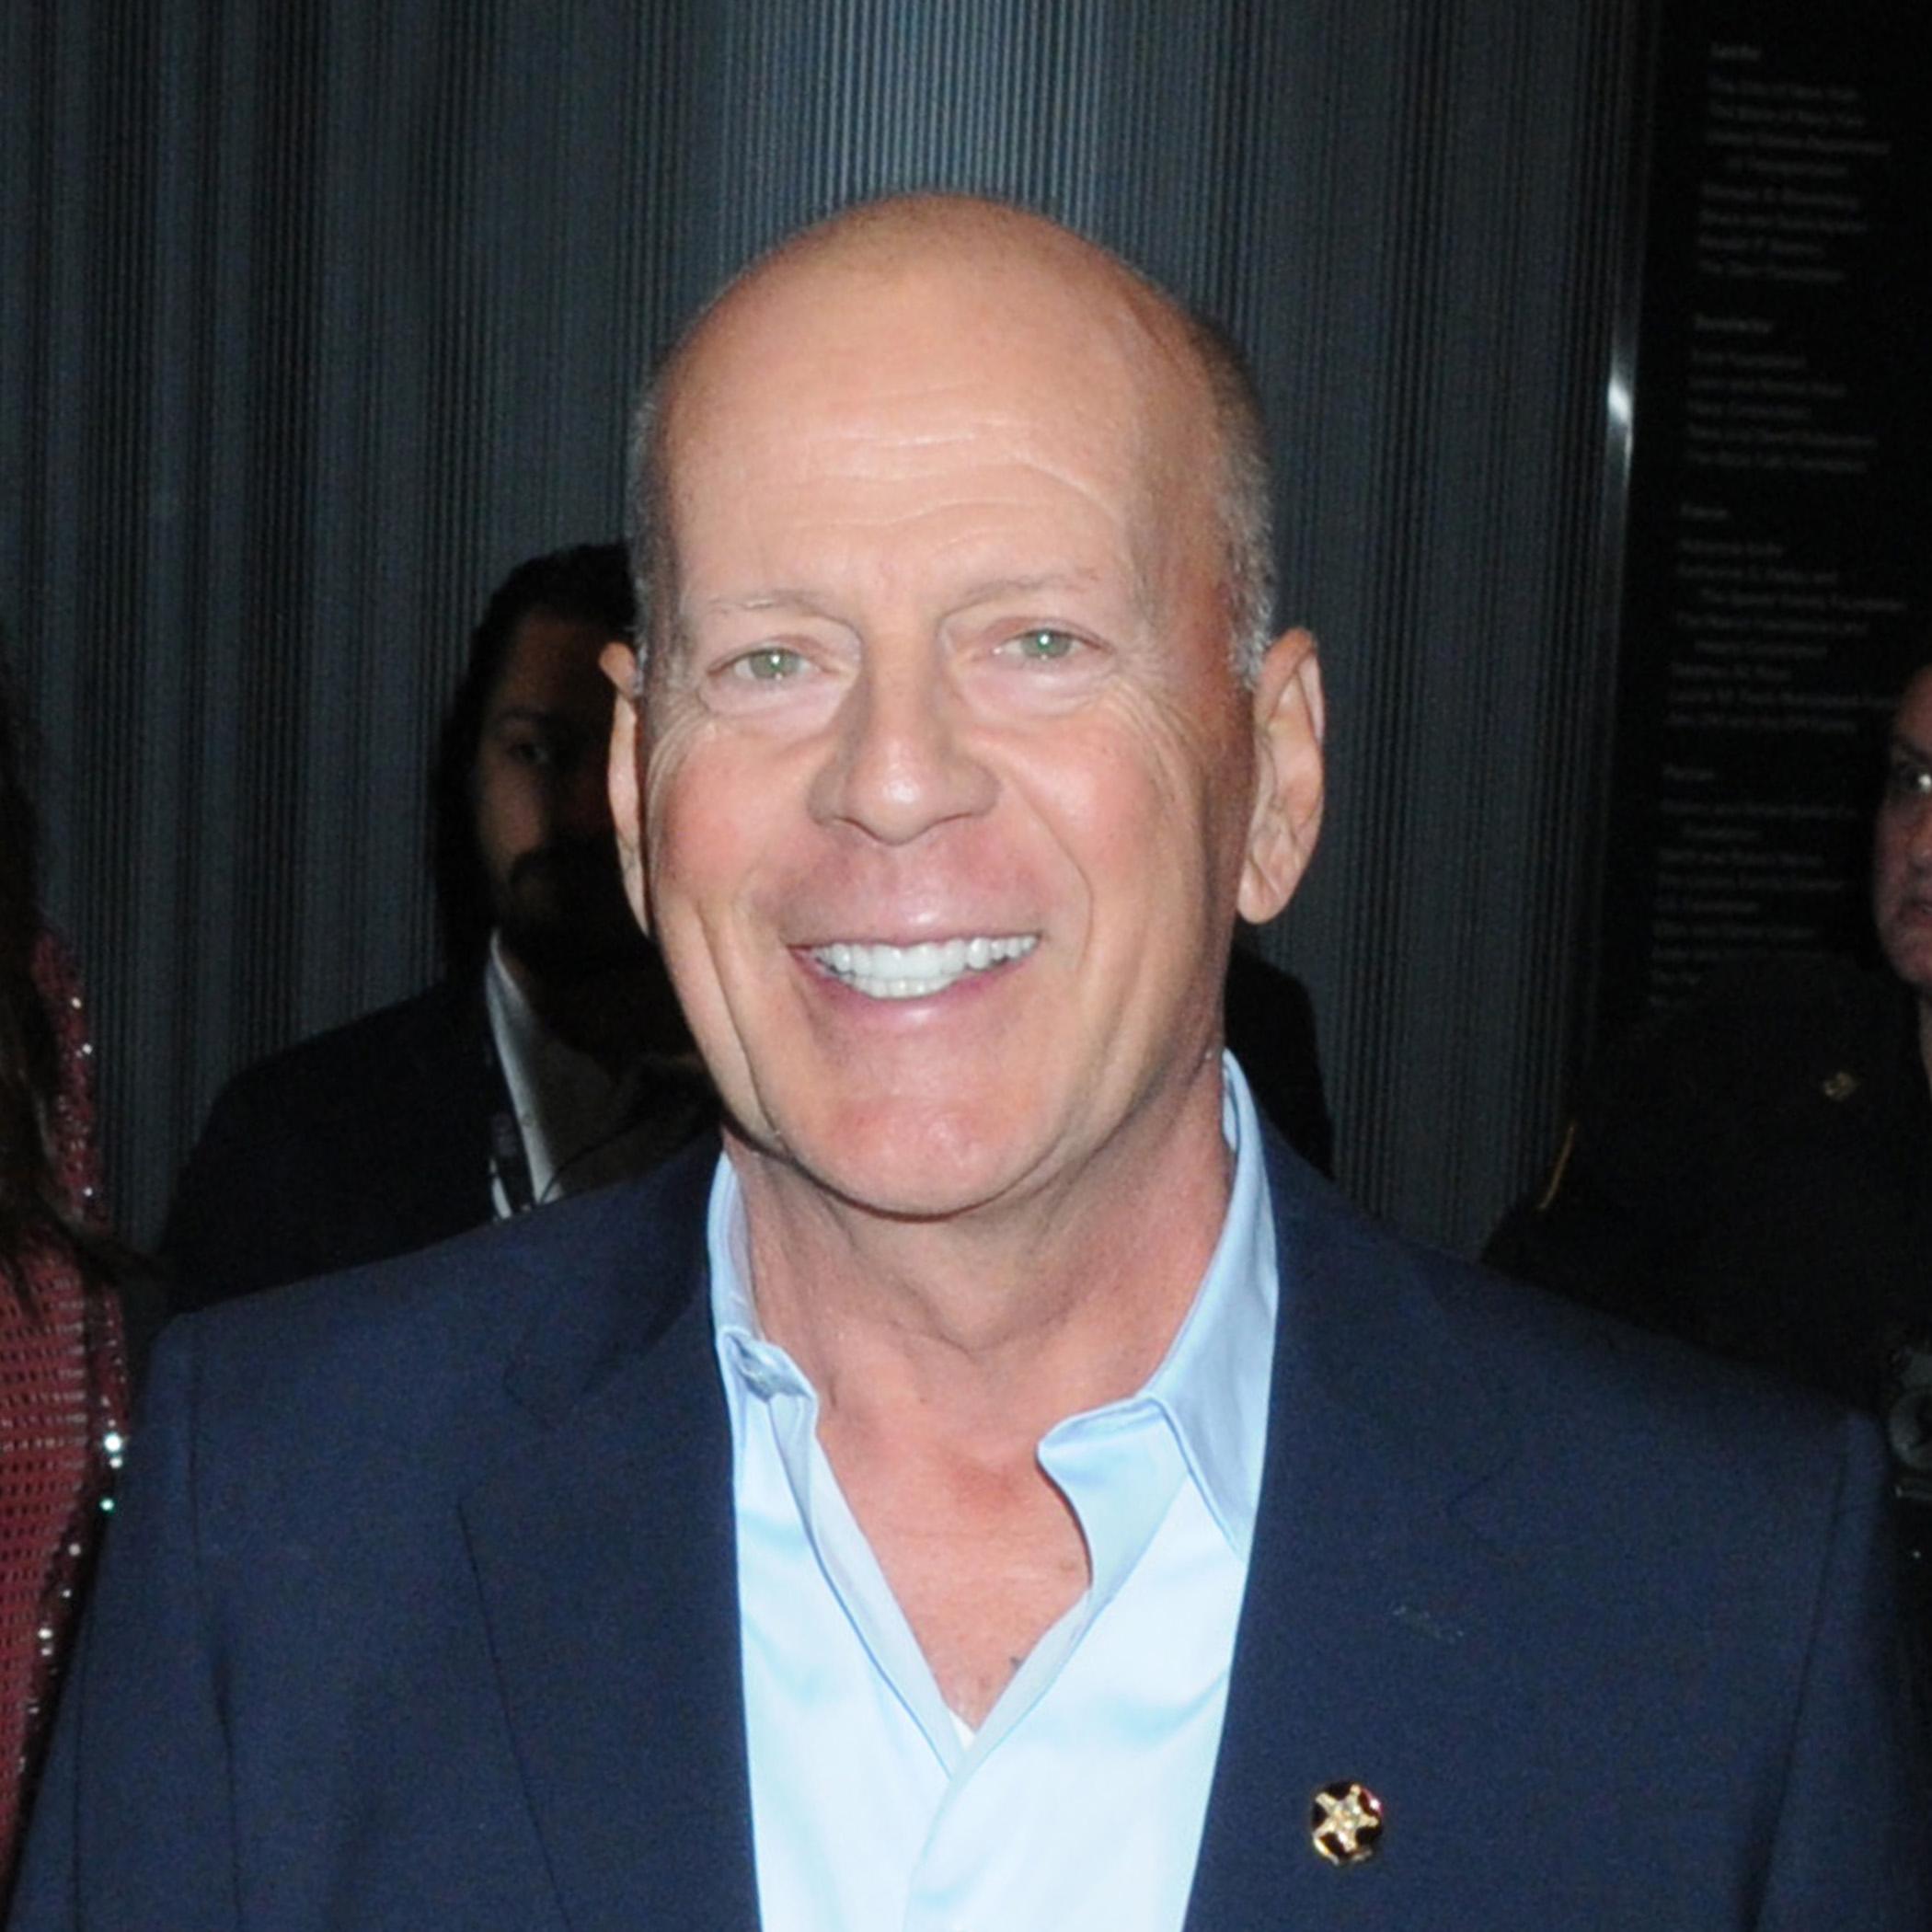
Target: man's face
[(948, 781), (1902, 844), (542, 816)]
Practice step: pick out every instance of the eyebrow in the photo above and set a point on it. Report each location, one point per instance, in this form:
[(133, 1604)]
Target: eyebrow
[(774, 600), (985, 592)]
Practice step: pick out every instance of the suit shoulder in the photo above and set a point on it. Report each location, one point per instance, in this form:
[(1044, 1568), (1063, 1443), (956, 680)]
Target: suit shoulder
[(1432, 1340), (1581, 1366), (396, 1348), (345, 1064)]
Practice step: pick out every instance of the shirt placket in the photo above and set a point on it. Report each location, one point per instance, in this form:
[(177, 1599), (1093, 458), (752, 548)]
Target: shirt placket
[(1119, 1469)]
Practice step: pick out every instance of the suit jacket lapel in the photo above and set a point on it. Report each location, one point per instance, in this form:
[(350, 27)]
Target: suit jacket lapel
[(1366, 1646), (437, 1178), (605, 1558)]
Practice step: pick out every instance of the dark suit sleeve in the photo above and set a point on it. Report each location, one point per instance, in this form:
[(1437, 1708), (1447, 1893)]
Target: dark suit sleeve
[(132, 1830)]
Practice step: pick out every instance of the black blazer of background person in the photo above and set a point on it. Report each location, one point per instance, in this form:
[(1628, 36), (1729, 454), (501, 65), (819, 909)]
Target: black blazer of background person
[(402, 1127)]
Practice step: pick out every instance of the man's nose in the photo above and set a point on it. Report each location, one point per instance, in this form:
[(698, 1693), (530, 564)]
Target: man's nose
[(900, 761)]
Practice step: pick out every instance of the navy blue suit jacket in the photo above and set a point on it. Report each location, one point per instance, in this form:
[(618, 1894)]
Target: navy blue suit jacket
[(366, 1141), (420, 1614)]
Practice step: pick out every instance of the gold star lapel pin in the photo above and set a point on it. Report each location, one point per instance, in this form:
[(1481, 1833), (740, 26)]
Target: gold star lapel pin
[(1841, 1086), (1345, 1822)]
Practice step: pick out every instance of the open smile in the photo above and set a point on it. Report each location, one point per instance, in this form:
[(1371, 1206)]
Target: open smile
[(882, 972)]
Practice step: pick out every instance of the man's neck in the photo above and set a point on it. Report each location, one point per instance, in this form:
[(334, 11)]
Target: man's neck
[(995, 1324), (942, 1352)]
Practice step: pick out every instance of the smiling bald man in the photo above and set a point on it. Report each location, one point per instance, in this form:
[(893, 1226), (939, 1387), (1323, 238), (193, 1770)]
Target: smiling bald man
[(1000, 1487)]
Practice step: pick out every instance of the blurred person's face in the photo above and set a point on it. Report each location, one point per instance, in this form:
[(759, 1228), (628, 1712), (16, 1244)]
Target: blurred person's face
[(543, 813), (1902, 844)]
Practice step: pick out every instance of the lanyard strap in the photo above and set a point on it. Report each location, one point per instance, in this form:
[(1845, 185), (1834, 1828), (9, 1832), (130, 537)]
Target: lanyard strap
[(510, 1159)]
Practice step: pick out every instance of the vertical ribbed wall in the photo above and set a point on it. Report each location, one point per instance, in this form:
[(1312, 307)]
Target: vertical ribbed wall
[(315, 317)]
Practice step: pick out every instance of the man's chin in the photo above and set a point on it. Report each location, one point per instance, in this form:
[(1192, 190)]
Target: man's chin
[(894, 1163)]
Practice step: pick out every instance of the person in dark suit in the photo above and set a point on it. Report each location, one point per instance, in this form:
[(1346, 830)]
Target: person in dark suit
[(551, 1056), (1004, 1485), (1751, 1171)]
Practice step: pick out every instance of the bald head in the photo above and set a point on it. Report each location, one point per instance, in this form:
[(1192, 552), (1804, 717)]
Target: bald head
[(1001, 280)]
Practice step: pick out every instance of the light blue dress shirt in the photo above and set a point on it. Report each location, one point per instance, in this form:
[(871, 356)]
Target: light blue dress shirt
[(1079, 1802)]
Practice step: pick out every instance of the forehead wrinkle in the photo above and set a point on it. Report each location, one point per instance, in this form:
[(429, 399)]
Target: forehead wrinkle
[(1075, 577), (982, 499), (843, 444)]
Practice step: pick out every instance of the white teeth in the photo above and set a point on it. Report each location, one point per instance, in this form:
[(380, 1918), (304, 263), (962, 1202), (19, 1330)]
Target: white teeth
[(918, 971)]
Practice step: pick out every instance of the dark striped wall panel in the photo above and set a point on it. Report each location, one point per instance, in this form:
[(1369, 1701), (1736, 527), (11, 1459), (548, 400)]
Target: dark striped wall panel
[(315, 316)]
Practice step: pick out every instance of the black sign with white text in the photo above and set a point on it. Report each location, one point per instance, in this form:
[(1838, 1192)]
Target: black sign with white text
[(1776, 568)]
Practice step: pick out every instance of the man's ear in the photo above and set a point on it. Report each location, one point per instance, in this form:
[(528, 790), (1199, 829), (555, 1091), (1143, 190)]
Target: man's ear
[(618, 663), (1289, 722)]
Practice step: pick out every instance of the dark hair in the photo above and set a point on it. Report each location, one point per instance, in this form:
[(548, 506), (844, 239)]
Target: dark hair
[(588, 584), (32, 1200), (27, 1050)]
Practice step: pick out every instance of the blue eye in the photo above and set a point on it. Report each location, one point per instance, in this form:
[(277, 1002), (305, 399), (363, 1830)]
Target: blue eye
[(1042, 645), (769, 664)]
